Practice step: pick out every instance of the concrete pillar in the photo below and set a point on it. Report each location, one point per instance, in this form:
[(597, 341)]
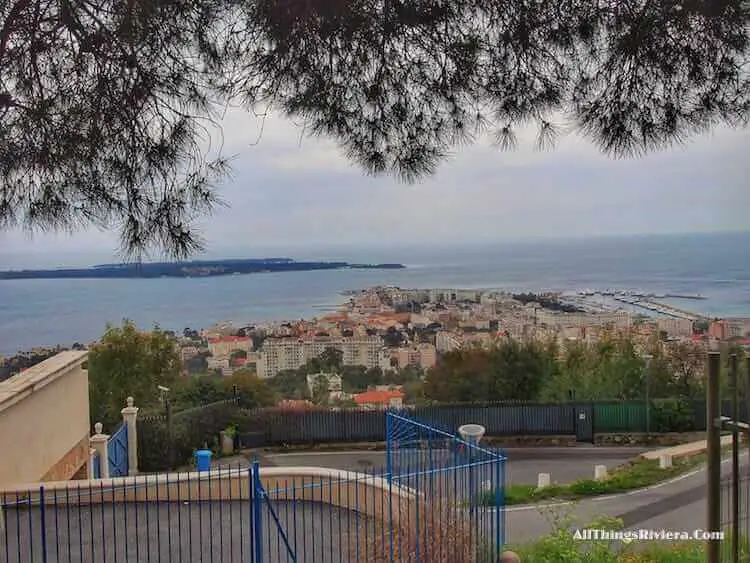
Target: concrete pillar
[(129, 417), (600, 472), (665, 461), (90, 465), (543, 480), (99, 442)]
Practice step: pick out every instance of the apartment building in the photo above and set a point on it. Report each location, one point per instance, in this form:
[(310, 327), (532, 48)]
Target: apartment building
[(738, 328), (188, 352), (615, 319), (447, 341), (453, 295), (675, 327), (224, 346), (422, 355), (280, 354), (221, 364)]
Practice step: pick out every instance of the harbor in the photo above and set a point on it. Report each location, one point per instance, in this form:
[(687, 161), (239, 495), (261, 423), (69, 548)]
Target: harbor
[(638, 302), (661, 308), (640, 294)]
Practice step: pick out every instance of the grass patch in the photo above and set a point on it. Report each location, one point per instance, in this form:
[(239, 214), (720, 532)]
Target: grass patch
[(561, 546), (636, 474)]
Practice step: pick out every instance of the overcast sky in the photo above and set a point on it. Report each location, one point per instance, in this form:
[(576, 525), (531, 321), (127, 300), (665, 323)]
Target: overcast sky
[(287, 195)]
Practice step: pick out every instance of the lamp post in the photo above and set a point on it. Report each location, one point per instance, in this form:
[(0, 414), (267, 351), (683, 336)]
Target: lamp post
[(647, 359), (164, 395)]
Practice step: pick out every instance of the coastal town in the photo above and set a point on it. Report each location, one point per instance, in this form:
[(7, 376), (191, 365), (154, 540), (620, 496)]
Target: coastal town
[(394, 329)]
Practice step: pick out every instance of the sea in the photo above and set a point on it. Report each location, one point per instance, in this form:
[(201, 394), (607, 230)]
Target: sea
[(50, 312)]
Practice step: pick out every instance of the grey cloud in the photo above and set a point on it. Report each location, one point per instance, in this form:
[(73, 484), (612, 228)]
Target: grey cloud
[(282, 193)]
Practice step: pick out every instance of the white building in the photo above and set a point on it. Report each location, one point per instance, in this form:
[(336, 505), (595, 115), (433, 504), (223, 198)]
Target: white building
[(280, 354), (447, 341)]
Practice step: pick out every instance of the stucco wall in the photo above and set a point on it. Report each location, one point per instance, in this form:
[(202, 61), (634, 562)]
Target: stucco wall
[(367, 494), (44, 421)]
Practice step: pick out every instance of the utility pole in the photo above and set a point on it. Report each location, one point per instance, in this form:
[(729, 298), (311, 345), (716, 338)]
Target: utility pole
[(647, 359), (713, 446)]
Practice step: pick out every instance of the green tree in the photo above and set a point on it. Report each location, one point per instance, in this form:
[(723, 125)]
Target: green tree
[(461, 376), (251, 389), (290, 384), (355, 379), (686, 363), (321, 390), (193, 391), (127, 362), (332, 359), (414, 392), (109, 102), (403, 376)]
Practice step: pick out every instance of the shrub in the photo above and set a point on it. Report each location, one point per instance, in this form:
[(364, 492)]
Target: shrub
[(672, 415), (415, 529), (191, 429)]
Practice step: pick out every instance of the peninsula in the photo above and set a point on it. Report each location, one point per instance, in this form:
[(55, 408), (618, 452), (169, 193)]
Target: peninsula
[(197, 268)]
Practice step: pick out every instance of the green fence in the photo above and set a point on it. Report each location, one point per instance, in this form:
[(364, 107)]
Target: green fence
[(620, 417)]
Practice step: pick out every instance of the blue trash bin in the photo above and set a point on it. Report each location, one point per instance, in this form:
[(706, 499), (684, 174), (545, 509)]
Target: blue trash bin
[(203, 460)]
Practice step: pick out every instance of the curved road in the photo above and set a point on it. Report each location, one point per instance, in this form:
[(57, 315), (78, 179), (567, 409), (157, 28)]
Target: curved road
[(678, 505)]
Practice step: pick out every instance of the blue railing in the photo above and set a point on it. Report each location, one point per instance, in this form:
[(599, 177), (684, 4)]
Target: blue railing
[(441, 500), (117, 452)]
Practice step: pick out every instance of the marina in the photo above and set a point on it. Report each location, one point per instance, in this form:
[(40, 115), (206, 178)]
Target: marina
[(640, 294), (666, 310)]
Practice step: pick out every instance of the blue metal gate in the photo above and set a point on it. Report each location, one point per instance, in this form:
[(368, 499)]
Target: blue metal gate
[(439, 498), (117, 452)]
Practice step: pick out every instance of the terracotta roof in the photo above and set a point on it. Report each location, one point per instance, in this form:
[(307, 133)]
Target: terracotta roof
[(377, 397), (228, 339)]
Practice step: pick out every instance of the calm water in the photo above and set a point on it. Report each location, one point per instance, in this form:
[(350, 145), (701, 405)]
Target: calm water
[(46, 312)]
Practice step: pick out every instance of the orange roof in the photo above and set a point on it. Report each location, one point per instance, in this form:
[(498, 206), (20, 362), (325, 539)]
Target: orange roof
[(377, 397), (228, 339)]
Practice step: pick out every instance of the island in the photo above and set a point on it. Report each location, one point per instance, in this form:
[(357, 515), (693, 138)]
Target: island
[(192, 269)]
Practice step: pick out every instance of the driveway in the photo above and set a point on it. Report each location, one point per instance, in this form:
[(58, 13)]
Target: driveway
[(523, 466)]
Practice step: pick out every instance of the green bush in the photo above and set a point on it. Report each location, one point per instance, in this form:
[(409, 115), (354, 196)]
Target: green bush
[(562, 546), (672, 415), (192, 429)]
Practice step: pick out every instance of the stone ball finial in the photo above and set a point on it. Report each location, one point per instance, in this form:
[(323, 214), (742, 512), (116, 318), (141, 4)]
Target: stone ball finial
[(129, 401), (98, 428), (509, 557)]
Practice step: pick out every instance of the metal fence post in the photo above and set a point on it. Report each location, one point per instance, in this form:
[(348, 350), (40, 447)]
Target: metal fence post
[(43, 523), (257, 499), (170, 435), (735, 459), (713, 446), (388, 446)]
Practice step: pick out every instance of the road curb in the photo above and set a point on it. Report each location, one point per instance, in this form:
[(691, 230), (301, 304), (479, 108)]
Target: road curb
[(671, 481)]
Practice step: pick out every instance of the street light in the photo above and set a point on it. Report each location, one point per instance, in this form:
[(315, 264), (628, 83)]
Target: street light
[(164, 396), (647, 359)]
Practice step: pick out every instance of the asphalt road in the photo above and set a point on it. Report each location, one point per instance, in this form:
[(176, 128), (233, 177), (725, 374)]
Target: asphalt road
[(678, 505), (522, 467)]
